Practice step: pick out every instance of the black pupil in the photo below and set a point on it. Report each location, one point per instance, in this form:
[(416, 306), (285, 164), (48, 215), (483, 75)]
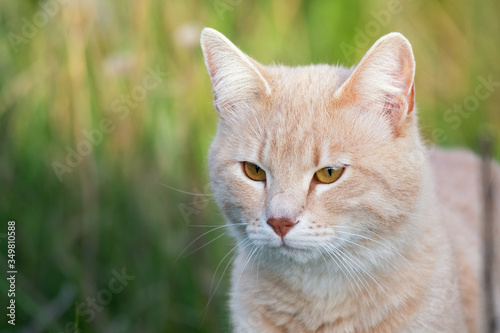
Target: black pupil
[(329, 171), (257, 168)]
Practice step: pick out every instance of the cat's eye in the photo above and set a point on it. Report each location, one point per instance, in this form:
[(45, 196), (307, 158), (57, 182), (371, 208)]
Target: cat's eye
[(254, 172), (328, 175)]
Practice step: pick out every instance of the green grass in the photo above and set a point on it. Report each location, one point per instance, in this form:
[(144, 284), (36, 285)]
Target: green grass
[(110, 211)]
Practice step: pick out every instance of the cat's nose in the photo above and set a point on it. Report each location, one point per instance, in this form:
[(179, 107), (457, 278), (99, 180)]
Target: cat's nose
[(281, 226)]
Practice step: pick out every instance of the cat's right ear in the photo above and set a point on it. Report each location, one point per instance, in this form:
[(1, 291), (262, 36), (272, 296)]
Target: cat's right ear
[(236, 78), (383, 81)]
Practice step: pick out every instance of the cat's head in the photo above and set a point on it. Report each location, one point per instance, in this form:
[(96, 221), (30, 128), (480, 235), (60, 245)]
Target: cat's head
[(310, 159)]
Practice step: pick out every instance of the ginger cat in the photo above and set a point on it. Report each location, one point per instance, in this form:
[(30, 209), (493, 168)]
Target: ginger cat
[(345, 221)]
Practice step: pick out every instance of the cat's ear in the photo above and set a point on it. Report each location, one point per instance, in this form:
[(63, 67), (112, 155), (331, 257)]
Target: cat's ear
[(236, 78), (383, 81)]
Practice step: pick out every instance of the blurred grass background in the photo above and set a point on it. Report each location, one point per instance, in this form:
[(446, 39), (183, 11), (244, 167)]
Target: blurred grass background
[(112, 211)]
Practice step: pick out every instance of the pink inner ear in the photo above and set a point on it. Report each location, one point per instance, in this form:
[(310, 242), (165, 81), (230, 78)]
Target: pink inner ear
[(410, 98), (407, 71), (394, 106)]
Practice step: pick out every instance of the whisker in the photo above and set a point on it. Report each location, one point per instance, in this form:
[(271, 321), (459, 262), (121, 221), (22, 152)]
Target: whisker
[(185, 192), (235, 254), (240, 248), (217, 226), (359, 229), (367, 286), (259, 254), (389, 203), (358, 275), (324, 258), (349, 256), (203, 234), (380, 243), (218, 266), (372, 251), (198, 201), (212, 295), (344, 255), (213, 240), (347, 278), (245, 266)]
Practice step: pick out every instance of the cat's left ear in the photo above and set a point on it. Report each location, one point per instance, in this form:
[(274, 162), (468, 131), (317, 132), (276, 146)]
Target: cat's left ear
[(383, 81)]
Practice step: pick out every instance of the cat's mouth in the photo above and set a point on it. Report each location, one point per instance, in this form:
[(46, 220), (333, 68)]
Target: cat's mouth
[(288, 249)]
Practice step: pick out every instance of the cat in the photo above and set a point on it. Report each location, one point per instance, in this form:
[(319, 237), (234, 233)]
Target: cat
[(345, 220)]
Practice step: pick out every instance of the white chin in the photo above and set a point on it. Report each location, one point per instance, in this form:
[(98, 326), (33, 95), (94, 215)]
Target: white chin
[(300, 255)]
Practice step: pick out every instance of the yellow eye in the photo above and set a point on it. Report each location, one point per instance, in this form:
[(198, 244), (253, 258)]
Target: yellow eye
[(254, 172), (328, 175)]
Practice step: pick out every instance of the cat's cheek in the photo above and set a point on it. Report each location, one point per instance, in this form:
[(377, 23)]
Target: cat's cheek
[(241, 199)]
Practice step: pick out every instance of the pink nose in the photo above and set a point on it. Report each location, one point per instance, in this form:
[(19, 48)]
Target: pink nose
[(281, 226)]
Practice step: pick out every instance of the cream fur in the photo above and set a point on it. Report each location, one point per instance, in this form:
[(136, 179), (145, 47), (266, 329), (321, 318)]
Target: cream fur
[(392, 246)]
